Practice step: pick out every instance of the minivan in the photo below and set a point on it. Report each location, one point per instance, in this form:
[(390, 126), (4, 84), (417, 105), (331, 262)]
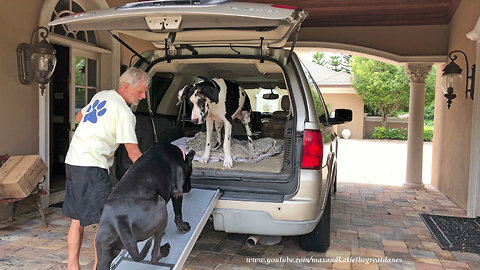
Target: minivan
[(286, 190)]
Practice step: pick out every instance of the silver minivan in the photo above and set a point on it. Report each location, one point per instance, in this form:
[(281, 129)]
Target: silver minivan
[(288, 190)]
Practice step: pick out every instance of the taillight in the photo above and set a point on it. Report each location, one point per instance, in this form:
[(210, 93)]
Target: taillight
[(284, 6), (312, 152)]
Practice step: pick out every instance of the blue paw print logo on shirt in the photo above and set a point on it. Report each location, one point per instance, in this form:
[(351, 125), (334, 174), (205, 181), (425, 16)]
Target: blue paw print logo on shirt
[(94, 111)]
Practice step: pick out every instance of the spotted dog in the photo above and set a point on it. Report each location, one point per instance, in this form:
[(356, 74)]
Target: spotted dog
[(218, 102)]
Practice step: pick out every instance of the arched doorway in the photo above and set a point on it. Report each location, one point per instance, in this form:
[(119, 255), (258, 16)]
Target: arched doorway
[(85, 65)]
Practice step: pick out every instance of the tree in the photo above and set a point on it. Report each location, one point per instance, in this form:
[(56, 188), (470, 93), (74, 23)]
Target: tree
[(346, 63), (336, 62), (430, 87), (385, 88), (319, 58)]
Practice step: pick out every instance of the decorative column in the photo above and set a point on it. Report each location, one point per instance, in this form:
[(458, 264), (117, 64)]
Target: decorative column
[(416, 74)]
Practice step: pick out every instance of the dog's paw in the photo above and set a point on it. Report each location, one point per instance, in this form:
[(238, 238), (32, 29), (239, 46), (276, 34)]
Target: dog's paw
[(165, 250), (227, 164), (183, 227), (204, 159)]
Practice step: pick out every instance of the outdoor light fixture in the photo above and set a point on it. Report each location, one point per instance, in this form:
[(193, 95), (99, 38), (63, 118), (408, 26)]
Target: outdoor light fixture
[(452, 74), (36, 60)]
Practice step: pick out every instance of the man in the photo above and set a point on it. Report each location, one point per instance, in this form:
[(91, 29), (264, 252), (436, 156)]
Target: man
[(105, 123)]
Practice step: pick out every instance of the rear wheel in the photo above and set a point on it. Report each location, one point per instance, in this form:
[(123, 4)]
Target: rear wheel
[(335, 183), (319, 239)]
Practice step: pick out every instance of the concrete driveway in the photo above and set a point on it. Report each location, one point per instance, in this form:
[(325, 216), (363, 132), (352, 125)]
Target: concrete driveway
[(378, 162)]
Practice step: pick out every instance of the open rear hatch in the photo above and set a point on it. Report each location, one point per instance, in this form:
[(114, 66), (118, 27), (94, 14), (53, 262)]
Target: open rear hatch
[(194, 22)]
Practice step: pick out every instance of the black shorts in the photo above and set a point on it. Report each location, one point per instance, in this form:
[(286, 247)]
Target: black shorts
[(86, 192)]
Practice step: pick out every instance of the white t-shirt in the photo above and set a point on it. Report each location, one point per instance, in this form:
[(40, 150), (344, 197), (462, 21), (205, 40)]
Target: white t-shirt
[(107, 122)]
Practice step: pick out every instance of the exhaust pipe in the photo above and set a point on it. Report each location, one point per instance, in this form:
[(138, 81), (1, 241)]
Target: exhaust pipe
[(252, 240)]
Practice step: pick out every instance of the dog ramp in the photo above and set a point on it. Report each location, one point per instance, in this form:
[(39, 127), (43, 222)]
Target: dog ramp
[(198, 204)]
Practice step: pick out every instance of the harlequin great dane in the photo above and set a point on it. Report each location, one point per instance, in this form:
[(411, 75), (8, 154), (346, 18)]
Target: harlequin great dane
[(136, 209), (218, 102)]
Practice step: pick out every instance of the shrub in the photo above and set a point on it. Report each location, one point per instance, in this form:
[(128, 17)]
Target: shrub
[(382, 133), (428, 134)]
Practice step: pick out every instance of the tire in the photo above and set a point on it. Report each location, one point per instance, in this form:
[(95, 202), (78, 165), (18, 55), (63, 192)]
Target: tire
[(335, 182), (319, 239), (335, 186)]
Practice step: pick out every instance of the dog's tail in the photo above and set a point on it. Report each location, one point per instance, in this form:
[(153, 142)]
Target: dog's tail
[(130, 242)]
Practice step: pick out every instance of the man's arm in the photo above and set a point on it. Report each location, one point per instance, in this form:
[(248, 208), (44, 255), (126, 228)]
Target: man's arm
[(133, 151), (79, 116)]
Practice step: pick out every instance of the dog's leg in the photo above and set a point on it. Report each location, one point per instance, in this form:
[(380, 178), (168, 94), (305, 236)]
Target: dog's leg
[(182, 226), (245, 119), (227, 162), (218, 128), (104, 260), (105, 253), (158, 251), (206, 154), (129, 241)]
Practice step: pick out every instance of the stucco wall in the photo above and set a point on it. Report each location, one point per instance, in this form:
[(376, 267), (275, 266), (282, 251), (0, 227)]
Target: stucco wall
[(376, 121), (451, 146), (346, 101), (18, 103)]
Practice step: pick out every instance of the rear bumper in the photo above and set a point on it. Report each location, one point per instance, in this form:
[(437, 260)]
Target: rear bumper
[(260, 223), (295, 216)]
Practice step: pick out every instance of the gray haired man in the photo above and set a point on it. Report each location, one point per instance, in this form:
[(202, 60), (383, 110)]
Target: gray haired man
[(104, 124)]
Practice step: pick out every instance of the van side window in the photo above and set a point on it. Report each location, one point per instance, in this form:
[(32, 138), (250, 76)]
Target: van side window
[(320, 107)]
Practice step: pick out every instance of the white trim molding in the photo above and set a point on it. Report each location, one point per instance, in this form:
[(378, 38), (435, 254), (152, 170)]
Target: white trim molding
[(44, 101), (473, 201), (60, 40)]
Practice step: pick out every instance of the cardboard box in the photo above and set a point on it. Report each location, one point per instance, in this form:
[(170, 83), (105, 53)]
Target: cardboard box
[(20, 174)]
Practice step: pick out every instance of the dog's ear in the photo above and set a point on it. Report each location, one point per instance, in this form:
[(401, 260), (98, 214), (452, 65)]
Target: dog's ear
[(190, 156), (182, 94), (187, 186), (210, 92)]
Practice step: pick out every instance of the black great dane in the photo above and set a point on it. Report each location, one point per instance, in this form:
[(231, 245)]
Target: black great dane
[(137, 207), (218, 102)]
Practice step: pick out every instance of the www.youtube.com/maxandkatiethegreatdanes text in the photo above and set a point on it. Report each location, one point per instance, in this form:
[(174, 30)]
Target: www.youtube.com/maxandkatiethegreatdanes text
[(338, 259)]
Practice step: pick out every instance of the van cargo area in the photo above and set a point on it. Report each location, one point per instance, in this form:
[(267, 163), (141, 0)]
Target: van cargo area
[(271, 121)]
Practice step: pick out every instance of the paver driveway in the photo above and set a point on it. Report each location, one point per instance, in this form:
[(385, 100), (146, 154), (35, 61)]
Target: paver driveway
[(370, 222)]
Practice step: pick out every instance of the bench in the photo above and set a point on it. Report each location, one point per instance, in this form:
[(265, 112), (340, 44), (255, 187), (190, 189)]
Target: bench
[(37, 192)]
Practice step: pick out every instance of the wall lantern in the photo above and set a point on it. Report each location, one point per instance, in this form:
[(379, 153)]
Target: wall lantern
[(452, 74), (36, 60)]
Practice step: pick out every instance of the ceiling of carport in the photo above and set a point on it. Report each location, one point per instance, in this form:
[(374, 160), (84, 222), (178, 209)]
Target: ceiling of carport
[(329, 13)]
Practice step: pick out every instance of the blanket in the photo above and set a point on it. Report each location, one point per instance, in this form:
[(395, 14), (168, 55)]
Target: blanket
[(264, 147)]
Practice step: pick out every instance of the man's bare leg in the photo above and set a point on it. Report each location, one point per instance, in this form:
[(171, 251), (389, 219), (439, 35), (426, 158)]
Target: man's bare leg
[(74, 243), (95, 247)]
